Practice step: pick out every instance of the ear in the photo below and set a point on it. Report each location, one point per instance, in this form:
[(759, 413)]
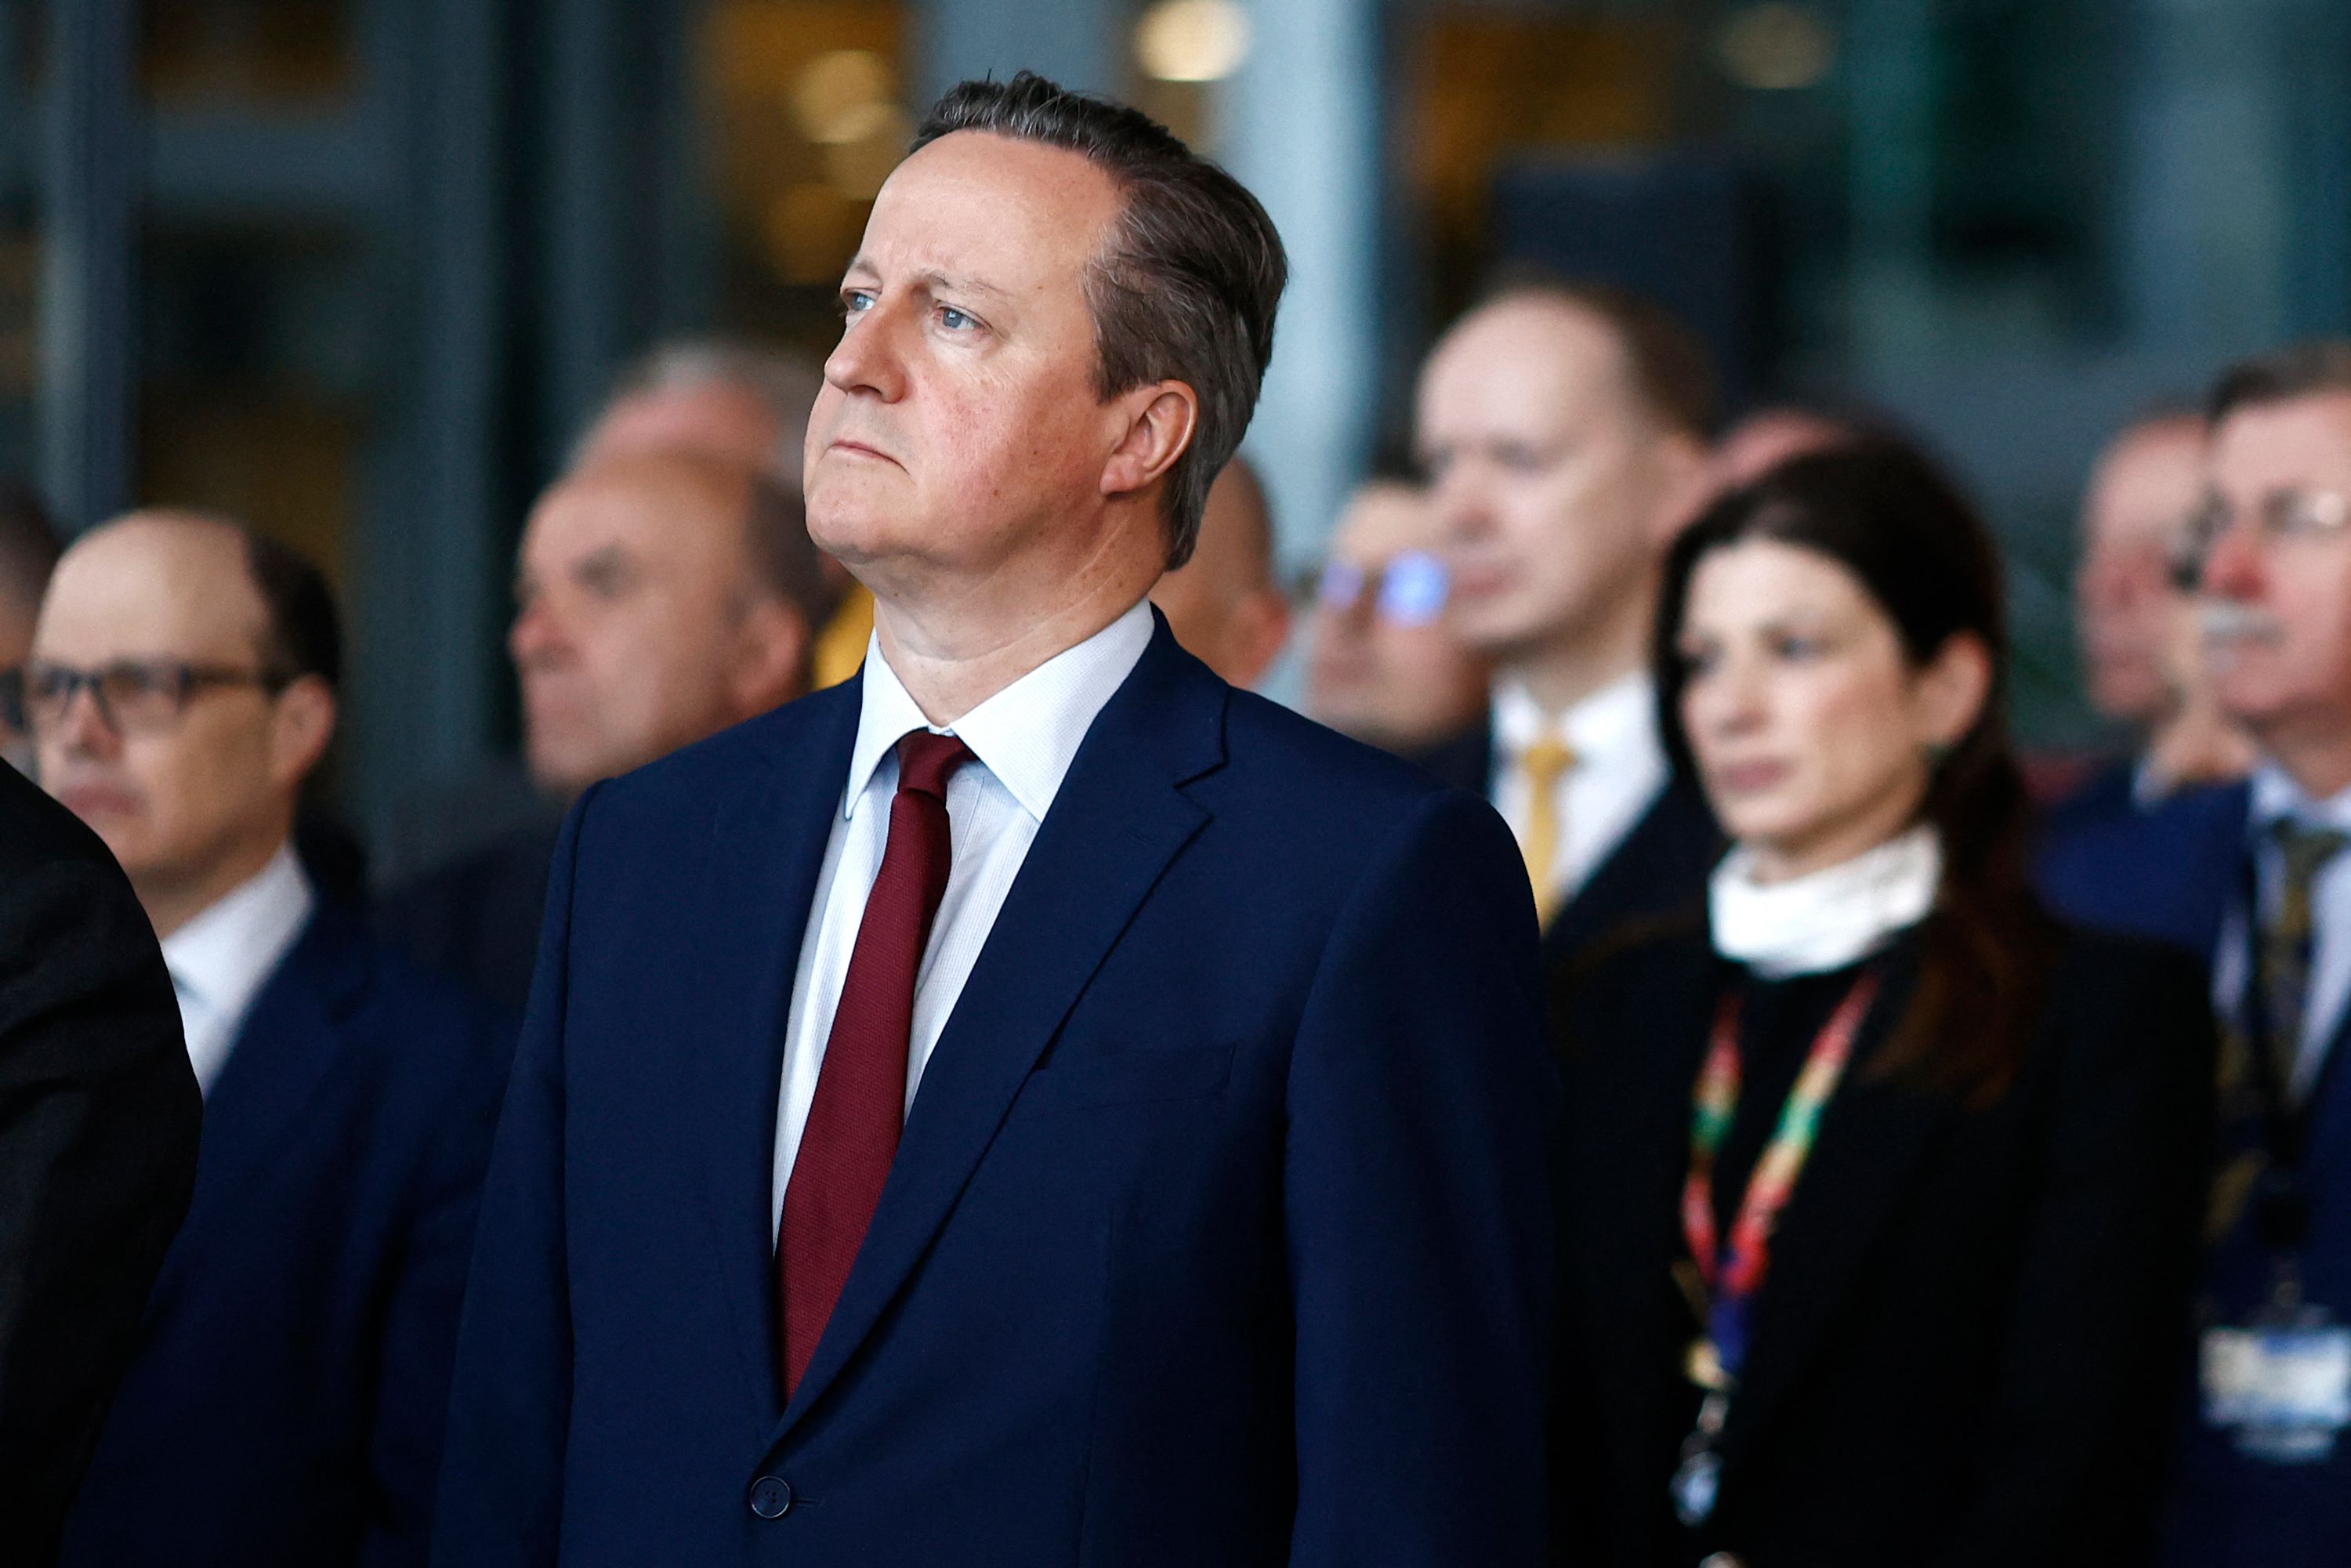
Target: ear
[(1948, 695), (1160, 421), (1685, 484), (773, 647), (302, 725)]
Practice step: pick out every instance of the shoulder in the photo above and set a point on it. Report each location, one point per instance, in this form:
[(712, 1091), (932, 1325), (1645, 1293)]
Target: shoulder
[(791, 736), (421, 1021), (1287, 760), (2127, 1005)]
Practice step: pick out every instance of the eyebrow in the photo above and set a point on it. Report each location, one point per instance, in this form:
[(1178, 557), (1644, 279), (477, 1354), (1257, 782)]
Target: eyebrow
[(930, 279)]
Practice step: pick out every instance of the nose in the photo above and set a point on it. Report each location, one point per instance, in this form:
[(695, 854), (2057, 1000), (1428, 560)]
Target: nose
[(1724, 703), (868, 358), (536, 639), (2234, 567)]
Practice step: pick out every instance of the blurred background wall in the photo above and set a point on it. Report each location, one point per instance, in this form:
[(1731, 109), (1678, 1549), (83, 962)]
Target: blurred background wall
[(358, 270)]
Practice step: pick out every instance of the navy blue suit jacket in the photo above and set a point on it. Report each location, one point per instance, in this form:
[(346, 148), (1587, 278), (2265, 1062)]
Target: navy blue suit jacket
[(285, 1402), (2166, 871), (1217, 1233)]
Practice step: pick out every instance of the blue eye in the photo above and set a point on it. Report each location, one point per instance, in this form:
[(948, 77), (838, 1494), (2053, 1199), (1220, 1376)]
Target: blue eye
[(953, 319), (855, 301)]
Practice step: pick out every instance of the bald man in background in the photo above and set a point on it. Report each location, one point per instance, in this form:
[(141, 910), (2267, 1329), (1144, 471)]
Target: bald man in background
[(28, 553), (1226, 605), (660, 598), (745, 404), (1382, 665), (2147, 845)]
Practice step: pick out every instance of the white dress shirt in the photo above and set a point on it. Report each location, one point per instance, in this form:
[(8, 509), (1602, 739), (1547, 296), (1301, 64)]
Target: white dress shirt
[(220, 960), (1023, 740), (1620, 769), (2275, 798)]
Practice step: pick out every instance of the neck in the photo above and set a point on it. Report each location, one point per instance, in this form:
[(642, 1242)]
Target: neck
[(2196, 745), (2319, 763), (1561, 675), (171, 901), (957, 643)]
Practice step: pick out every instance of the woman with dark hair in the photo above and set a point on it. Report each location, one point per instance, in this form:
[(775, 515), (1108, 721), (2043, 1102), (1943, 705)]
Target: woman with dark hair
[(1880, 1187)]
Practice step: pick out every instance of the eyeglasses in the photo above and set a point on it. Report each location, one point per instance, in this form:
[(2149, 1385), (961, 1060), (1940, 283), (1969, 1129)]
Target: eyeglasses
[(2281, 515), (133, 697), (1409, 591)]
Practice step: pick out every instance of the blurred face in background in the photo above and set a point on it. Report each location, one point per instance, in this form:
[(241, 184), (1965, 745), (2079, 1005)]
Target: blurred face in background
[(1382, 664), (2127, 610), (959, 456), (712, 418), (1810, 728), (193, 789), (1226, 605), (1556, 486), (640, 623), (2277, 570)]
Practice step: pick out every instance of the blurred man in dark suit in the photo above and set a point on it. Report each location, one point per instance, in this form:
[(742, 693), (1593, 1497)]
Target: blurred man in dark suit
[(98, 1150), (1382, 662), (1563, 430), (1034, 1103), (660, 597), (2263, 1477), (2148, 844), (28, 553), (1226, 604), (287, 1399)]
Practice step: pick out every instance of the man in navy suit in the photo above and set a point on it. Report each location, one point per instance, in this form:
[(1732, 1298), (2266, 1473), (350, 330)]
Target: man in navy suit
[(1035, 1104), (284, 1402), (2264, 1479), (2148, 844)]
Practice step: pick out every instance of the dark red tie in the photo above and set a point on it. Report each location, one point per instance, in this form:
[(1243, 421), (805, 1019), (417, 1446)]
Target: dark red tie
[(861, 1092)]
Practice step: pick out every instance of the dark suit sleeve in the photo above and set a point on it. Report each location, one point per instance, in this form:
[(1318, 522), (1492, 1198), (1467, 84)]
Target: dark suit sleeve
[(419, 1331), (98, 1114), (2077, 1435), (1418, 1202), (501, 1494)]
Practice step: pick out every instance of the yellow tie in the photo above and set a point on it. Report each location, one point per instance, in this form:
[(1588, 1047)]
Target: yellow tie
[(1544, 762)]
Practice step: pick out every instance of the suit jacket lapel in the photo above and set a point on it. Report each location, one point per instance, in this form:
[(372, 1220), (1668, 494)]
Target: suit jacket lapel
[(1664, 857), (767, 847), (1120, 818), (1871, 1138), (286, 1051)]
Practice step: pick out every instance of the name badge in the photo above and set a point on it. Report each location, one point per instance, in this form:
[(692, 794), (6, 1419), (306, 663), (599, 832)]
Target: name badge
[(2281, 1392)]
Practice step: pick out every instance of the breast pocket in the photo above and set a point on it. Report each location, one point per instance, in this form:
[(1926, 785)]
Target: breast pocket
[(1102, 1074)]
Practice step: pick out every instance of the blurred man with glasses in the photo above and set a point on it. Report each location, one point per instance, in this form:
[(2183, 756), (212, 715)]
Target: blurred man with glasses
[(2264, 1477), (286, 1401), (1381, 663), (2148, 843)]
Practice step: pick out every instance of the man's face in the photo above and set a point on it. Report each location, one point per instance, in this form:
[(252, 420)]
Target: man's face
[(2278, 615), (1555, 486), (1383, 664), (959, 428), (630, 595), (216, 785), (2126, 607), (713, 419)]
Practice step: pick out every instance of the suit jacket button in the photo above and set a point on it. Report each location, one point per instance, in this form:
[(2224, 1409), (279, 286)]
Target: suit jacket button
[(770, 1498)]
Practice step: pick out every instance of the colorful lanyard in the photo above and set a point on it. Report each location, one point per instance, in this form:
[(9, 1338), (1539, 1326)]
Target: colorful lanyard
[(1733, 1277)]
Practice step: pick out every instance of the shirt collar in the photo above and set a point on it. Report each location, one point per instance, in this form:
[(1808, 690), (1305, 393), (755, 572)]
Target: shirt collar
[(2276, 796), (1027, 735), (222, 957), (1619, 717)]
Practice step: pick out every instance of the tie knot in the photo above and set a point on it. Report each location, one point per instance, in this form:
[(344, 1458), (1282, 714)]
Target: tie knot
[(2306, 849), (927, 761), (1545, 760)]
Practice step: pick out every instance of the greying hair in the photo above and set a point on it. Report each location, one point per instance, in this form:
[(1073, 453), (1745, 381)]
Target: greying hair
[(1186, 284), (782, 383)]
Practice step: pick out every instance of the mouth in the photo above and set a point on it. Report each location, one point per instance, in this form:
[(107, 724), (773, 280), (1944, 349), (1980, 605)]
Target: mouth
[(2228, 623), (1749, 778), (88, 801), (859, 449)]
